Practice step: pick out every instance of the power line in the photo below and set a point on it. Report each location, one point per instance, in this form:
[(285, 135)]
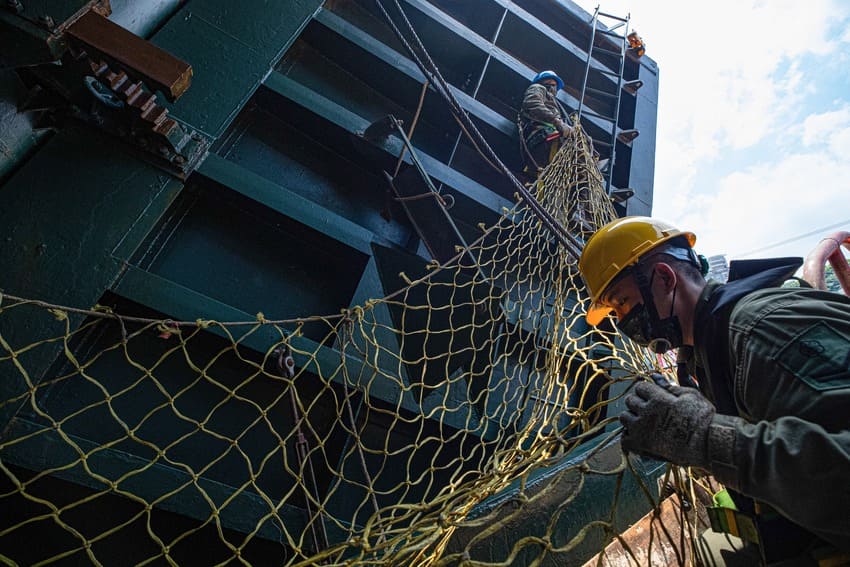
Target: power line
[(795, 238)]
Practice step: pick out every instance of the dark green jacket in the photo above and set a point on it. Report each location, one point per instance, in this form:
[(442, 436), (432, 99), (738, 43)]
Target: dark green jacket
[(777, 360)]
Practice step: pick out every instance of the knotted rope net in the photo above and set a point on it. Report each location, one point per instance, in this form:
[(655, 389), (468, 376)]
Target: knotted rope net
[(419, 428)]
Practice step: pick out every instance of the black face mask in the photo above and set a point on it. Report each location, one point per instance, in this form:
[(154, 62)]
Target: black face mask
[(659, 335), (644, 326), (636, 325)]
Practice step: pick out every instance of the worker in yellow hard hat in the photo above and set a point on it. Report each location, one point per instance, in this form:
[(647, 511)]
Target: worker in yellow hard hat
[(614, 252), (769, 418)]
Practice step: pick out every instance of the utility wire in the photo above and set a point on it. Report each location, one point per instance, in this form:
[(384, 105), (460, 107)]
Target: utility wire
[(795, 238)]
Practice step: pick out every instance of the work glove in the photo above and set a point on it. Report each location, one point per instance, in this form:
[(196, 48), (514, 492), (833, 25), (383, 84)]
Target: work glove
[(563, 127), (669, 423)]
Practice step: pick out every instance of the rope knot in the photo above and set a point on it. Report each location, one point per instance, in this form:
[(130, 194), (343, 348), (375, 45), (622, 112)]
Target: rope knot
[(59, 314), (167, 328)]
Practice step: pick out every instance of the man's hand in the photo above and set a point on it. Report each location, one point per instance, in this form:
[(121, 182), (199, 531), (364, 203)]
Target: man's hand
[(563, 127), (670, 423)]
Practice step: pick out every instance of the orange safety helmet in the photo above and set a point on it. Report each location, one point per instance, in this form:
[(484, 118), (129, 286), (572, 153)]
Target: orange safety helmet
[(616, 247)]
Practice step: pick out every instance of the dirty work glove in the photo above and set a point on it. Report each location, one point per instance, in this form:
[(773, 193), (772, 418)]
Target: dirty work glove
[(563, 127), (671, 423)]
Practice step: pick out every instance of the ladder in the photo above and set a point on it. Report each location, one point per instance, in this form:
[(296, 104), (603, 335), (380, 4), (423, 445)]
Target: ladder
[(607, 25)]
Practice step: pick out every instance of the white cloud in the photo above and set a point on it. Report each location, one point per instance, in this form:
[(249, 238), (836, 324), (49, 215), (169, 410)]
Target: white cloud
[(737, 160), (819, 127), (726, 85), (782, 197), (754, 208), (839, 145)]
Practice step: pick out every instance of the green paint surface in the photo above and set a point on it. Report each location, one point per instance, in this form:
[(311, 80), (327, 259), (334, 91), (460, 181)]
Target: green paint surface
[(231, 46)]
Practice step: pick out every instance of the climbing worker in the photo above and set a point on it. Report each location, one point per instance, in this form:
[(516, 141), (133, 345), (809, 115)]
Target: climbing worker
[(542, 121), (771, 416), (636, 44)]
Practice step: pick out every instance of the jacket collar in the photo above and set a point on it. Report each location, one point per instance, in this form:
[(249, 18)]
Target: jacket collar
[(711, 333), (749, 275)]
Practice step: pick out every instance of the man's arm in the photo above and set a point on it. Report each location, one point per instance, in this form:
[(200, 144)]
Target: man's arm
[(792, 384), (794, 465)]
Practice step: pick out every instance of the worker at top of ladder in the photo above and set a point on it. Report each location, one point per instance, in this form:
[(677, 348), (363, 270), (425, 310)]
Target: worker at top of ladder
[(770, 418), (542, 121), (636, 44)]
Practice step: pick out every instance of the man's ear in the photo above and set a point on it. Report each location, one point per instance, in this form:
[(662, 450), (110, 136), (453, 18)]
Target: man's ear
[(665, 273)]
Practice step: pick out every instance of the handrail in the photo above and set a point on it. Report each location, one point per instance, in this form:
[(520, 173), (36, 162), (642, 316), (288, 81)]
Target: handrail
[(829, 250)]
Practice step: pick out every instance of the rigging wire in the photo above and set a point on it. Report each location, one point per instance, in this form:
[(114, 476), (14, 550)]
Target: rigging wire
[(793, 239)]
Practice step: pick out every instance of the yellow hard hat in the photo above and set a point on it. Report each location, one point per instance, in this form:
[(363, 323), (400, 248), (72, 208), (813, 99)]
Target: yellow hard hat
[(616, 246)]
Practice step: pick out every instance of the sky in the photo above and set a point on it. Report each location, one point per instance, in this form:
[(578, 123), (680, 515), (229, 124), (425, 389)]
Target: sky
[(753, 148)]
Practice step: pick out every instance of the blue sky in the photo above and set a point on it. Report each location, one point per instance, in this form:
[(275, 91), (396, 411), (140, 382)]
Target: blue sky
[(753, 120)]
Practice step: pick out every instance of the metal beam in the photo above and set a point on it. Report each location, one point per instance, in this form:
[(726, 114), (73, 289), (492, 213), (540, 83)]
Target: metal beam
[(283, 200), (438, 19), (42, 448), (476, 194), (182, 303), (407, 67)]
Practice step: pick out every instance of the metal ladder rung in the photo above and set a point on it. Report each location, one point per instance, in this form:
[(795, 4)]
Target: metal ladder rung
[(597, 115), (604, 72), (608, 51), (617, 26), (603, 93), (613, 17), (610, 32)]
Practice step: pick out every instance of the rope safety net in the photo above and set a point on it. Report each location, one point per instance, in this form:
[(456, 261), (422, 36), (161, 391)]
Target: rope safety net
[(419, 427)]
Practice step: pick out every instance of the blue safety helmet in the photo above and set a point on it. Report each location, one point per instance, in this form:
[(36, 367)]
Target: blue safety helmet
[(548, 75)]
